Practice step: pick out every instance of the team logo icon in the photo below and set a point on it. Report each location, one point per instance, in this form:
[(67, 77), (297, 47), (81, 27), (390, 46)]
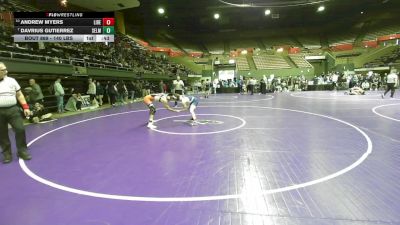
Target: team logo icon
[(200, 122)]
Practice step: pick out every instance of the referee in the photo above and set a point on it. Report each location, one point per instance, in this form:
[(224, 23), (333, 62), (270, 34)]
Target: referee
[(178, 87), (10, 113), (391, 83)]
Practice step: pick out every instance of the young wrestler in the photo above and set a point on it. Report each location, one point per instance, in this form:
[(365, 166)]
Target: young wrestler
[(164, 99), (190, 103), (355, 91)]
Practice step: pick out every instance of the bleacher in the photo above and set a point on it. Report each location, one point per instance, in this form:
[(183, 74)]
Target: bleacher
[(300, 61), (19, 6), (215, 48), (242, 44), (342, 39), (382, 31), (310, 42), (124, 54), (273, 41), (396, 62), (385, 60), (163, 44), (270, 62), (189, 47), (242, 63)]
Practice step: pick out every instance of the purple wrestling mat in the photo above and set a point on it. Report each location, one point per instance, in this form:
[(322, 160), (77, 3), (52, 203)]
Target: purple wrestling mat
[(288, 158)]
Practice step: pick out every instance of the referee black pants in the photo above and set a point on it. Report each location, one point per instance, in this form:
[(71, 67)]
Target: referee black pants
[(177, 92), (12, 115), (391, 88)]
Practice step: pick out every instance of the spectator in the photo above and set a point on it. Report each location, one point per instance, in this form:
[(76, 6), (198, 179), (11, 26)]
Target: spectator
[(122, 92), (161, 86), (215, 85), (74, 103), (130, 86), (263, 85), (139, 89), (35, 95), (59, 93), (91, 89), (106, 91), (99, 93), (165, 88), (239, 83), (365, 85), (290, 83), (112, 92)]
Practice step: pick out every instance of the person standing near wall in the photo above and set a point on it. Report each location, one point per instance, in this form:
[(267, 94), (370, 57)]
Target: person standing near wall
[(36, 94), (59, 93), (99, 92), (91, 90), (161, 86)]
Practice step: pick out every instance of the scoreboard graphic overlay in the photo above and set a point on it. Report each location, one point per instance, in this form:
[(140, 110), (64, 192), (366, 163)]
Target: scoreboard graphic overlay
[(64, 26)]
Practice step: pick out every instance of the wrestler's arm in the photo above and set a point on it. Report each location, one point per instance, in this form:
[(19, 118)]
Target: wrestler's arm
[(165, 103), (185, 106)]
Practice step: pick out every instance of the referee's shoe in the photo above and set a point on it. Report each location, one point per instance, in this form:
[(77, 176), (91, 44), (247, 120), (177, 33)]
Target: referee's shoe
[(24, 155), (7, 157)]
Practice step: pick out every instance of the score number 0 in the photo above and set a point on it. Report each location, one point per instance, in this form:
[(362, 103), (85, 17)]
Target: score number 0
[(108, 21)]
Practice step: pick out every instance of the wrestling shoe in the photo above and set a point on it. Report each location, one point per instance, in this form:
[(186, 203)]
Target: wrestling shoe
[(194, 123), (151, 126)]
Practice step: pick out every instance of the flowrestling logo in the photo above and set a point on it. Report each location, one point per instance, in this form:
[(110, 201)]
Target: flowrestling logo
[(200, 122)]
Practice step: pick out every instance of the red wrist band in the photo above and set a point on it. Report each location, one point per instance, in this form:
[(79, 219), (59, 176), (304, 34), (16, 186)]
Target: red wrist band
[(25, 106)]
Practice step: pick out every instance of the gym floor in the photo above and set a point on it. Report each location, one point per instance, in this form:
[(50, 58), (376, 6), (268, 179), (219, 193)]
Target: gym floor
[(289, 158)]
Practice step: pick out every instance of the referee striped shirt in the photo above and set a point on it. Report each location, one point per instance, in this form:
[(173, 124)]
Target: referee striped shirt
[(8, 92)]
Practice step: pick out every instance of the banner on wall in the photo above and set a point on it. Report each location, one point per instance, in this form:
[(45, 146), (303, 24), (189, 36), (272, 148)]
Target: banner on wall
[(173, 53), (196, 54), (342, 47), (294, 50), (370, 44), (194, 75), (389, 37)]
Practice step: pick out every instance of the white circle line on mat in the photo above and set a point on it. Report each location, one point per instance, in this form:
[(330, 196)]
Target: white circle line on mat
[(201, 133), (204, 198), (381, 115)]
